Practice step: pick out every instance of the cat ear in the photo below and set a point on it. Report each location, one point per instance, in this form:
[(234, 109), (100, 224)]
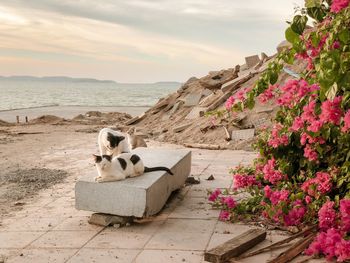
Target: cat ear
[(120, 138), (109, 136), (97, 158), (108, 157)]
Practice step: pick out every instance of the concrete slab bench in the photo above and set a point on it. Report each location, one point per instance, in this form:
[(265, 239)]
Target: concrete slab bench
[(137, 197)]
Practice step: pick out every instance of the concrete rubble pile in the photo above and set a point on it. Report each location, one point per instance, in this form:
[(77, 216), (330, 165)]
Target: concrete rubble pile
[(182, 117)]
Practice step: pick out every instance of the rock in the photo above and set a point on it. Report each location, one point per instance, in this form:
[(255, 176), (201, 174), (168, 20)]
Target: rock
[(192, 180), (195, 113), (263, 57), (245, 134), (176, 107), (192, 99), (215, 80), (135, 119), (252, 60), (210, 178), (140, 196), (182, 127), (107, 220)]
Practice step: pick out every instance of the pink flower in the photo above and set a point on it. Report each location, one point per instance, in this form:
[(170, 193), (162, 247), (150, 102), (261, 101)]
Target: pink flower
[(230, 202), (344, 209), (298, 123), (230, 101), (268, 94), (310, 154), (214, 195), (315, 126), (346, 126), (322, 183), (267, 191), (224, 215), (270, 174), (338, 5), (279, 196), (327, 216), (295, 215), (336, 45), (342, 250), (276, 139), (243, 181), (331, 111), (308, 199), (309, 111)]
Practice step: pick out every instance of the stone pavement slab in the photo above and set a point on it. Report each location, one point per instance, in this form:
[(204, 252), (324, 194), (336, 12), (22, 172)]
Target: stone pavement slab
[(43, 256), (104, 255)]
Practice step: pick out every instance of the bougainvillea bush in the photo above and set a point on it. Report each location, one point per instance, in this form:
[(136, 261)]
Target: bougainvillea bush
[(301, 175)]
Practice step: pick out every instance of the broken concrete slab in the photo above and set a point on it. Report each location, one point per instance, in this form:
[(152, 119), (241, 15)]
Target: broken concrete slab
[(206, 92), (135, 119), (207, 101), (245, 134), (101, 219), (182, 127), (252, 60), (195, 113), (263, 110), (261, 122), (176, 107), (140, 196), (283, 46), (192, 99), (230, 85)]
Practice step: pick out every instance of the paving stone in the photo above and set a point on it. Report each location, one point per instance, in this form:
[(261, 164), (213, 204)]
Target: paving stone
[(18, 239), (242, 134), (192, 99), (131, 237), (43, 255), (182, 234), (140, 196), (251, 61), (261, 122), (63, 239), (194, 208), (76, 224), (34, 223), (104, 255), (195, 113), (171, 256), (176, 107)]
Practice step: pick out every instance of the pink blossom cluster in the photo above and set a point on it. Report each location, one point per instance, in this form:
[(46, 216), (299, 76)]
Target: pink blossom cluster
[(276, 139), (293, 91), (331, 244), (224, 215), (327, 216), (346, 126), (344, 209), (306, 138), (214, 195), (331, 111), (270, 174), (339, 5), (268, 94), (296, 214), (322, 183), (310, 153), (276, 196), (228, 201), (243, 181), (237, 97)]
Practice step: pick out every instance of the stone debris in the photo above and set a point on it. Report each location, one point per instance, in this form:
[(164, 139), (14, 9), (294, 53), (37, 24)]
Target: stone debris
[(195, 114), (245, 134)]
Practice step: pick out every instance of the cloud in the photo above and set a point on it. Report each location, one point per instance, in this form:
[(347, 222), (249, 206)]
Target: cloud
[(143, 33)]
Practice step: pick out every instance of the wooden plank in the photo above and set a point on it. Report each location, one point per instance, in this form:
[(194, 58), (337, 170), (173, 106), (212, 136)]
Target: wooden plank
[(235, 246), (294, 250), (203, 146)]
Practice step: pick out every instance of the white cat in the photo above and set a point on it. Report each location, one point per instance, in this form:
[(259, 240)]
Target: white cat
[(122, 166), (113, 142)]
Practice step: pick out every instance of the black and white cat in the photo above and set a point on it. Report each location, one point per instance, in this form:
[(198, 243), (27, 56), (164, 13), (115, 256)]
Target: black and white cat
[(111, 142), (124, 165)]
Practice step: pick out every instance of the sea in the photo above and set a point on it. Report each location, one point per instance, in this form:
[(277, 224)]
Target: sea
[(18, 94)]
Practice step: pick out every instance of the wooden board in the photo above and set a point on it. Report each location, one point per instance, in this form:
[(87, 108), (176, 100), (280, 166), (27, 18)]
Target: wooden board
[(235, 246)]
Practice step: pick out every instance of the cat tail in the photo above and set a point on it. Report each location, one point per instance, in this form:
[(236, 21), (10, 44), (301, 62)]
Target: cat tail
[(158, 168)]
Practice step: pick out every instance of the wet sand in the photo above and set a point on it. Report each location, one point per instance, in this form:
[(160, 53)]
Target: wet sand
[(67, 112)]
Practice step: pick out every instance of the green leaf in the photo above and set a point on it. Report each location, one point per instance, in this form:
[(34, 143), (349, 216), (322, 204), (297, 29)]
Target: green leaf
[(344, 36), (316, 13), (332, 92), (298, 24), (292, 37)]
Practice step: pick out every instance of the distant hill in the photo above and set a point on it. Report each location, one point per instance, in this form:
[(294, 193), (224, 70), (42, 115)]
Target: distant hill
[(81, 80), (54, 79)]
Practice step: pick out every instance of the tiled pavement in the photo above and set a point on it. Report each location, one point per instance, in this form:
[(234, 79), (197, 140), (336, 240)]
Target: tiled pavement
[(52, 230)]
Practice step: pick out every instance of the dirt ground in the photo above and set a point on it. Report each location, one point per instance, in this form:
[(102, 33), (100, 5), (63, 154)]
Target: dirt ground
[(38, 156)]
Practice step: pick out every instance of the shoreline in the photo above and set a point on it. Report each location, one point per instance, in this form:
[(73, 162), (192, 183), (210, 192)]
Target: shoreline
[(67, 112)]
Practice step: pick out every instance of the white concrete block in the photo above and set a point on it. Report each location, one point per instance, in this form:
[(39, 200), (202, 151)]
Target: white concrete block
[(140, 196)]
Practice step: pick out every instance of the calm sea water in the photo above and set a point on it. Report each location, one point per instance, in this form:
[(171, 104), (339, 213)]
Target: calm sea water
[(30, 94)]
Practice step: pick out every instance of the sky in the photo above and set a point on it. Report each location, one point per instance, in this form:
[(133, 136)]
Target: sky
[(137, 40)]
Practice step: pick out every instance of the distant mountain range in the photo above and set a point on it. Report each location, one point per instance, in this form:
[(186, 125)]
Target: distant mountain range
[(76, 80)]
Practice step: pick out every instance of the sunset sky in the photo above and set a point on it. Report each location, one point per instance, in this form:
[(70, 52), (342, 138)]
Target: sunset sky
[(136, 40)]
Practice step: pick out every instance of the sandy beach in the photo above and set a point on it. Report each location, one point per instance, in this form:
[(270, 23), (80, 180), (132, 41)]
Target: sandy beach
[(66, 112)]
